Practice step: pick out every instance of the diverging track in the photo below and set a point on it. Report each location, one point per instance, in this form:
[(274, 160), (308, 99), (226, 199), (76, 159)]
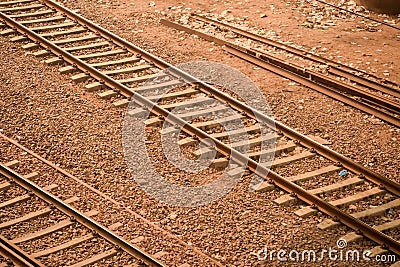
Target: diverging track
[(117, 68)]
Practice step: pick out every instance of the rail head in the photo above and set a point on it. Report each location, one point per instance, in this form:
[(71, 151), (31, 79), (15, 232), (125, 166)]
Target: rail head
[(80, 217), (325, 151), (226, 150), (16, 255)]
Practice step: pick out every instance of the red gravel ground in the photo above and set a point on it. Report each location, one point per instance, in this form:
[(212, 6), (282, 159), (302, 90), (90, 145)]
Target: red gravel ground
[(48, 113)]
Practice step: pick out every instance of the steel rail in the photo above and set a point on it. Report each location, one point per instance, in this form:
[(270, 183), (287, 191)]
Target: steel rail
[(328, 153), (334, 67), (16, 255), (136, 215), (331, 85), (304, 77), (357, 14), (135, 49), (80, 217), (327, 81), (107, 34), (236, 156)]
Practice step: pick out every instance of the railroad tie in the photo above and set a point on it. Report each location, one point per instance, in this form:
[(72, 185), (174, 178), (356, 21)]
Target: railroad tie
[(51, 229), (12, 164), (7, 32), (107, 94), (61, 33), (353, 236), (225, 134), (54, 61), (41, 53), (50, 19), (21, 8), (207, 124), (307, 176), (137, 112), (215, 123), (320, 140), (101, 54), (67, 69), (275, 151), (70, 244), (287, 160), (288, 199), (307, 211), (127, 70), (9, 3), (253, 142), (190, 103), (115, 226), (85, 47), (30, 46), (51, 27), (378, 250), (290, 146), (167, 96), (138, 240), (222, 162), (312, 174), (371, 212), (81, 77), (96, 86), (33, 14), (4, 186), (31, 215), (23, 198), (19, 38), (160, 254), (115, 62), (139, 79), (121, 103), (158, 86), (31, 176), (153, 122), (78, 39), (203, 113), (236, 171), (264, 187), (96, 258)]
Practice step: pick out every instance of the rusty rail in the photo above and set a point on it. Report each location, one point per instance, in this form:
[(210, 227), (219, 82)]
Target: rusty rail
[(81, 218), (16, 255), (224, 149), (357, 14), (334, 67), (305, 77)]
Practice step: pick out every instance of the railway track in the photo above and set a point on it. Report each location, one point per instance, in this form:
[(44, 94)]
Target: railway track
[(116, 68), (52, 232), (24, 202), (366, 92)]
